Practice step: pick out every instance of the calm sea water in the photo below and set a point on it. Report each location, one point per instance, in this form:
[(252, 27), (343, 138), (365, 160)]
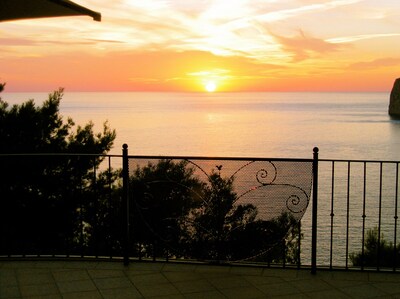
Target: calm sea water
[(272, 125), (342, 125)]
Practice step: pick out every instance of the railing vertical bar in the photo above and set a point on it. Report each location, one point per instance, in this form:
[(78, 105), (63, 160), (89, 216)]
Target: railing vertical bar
[(395, 218), (80, 197), (332, 214), (314, 212), (95, 207), (348, 213), (363, 215), (108, 207), (379, 216), (125, 182), (299, 246)]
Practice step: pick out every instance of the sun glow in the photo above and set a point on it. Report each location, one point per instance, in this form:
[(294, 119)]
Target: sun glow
[(211, 86)]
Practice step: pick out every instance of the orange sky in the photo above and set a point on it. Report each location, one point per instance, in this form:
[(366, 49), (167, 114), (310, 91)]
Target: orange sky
[(154, 45)]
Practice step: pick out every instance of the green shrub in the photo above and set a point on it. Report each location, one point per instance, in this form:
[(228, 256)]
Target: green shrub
[(377, 252)]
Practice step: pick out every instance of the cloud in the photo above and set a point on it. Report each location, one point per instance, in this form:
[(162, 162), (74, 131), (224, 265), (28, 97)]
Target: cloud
[(347, 39), (16, 42), (374, 64), (302, 47)]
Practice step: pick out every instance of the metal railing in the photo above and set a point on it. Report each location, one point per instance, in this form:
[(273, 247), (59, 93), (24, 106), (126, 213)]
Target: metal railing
[(358, 201), (218, 209), (236, 210)]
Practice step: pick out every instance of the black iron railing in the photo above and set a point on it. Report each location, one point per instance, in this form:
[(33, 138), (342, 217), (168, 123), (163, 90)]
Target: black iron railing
[(235, 210), (359, 202)]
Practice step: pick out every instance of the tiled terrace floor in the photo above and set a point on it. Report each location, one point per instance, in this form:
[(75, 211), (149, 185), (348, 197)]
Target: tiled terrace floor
[(83, 279)]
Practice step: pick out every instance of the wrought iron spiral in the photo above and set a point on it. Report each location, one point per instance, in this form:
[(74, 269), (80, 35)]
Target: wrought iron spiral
[(266, 177), (297, 204)]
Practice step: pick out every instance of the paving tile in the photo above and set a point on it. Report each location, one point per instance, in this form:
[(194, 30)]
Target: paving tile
[(248, 271), (278, 289), (110, 265), (179, 267), (243, 292), (32, 271), (76, 286), (163, 289), (194, 286), (144, 266), (286, 274), (328, 294), (363, 291), (70, 275), (338, 283), (112, 283), (9, 292), (226, 282), (209, 269), (351, 275), (176, 296), (19, 265), (148, 279), (205, 295), (311, 285), (35, 278), (51, 264), (121, 293), (388, 287), (259, 280), (103, 273), (182, 276), (39, 290), (83, 295), (8, 277), (51, 296), (291, 296), (76, 264), (384, 277)]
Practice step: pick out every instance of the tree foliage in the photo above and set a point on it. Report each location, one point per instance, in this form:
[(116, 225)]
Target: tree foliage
[(46, 198), (64, 204), (164, 194), (180, 215), (27, 128), (377, 252)]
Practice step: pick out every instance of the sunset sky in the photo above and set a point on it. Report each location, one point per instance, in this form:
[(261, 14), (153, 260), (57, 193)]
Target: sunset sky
[(185, 45)]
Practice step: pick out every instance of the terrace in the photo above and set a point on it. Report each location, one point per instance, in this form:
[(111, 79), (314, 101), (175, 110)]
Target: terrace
[(101, 279), (91, 234)]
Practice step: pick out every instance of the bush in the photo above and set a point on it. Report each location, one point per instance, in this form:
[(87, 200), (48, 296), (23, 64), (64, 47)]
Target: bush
[(377, 252)]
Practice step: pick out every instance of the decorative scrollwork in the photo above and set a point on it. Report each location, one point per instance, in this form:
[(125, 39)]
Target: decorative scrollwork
[(297, 202), (267, 176)]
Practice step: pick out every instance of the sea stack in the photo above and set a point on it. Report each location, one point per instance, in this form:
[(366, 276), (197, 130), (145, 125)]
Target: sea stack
[(394, 106)]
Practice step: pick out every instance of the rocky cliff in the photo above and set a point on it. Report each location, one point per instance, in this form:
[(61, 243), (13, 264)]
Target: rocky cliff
[(394, 106)]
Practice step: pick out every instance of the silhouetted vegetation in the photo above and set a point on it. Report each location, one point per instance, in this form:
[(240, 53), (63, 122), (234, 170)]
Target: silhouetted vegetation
[(63, 204), (46, 200), (164, 194), (179, 215), (377, 252)]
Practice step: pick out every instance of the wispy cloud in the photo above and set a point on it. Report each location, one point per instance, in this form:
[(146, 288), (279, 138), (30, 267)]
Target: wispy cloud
[(159, 42), (302, 46), (374, 64), (354, 38), (16, 42)]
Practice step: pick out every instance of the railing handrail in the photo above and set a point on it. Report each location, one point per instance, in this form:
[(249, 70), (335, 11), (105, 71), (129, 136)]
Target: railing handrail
[(219, 158), (358, 161), (58, 154)]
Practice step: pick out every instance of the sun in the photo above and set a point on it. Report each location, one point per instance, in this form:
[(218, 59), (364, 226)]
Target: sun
[(211, 86)]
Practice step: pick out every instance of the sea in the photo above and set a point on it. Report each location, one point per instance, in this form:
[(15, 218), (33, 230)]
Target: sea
[(267, 124), (344, 126)]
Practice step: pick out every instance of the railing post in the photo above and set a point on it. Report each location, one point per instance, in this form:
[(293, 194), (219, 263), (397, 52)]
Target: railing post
[(125, 202), (314, 213)]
